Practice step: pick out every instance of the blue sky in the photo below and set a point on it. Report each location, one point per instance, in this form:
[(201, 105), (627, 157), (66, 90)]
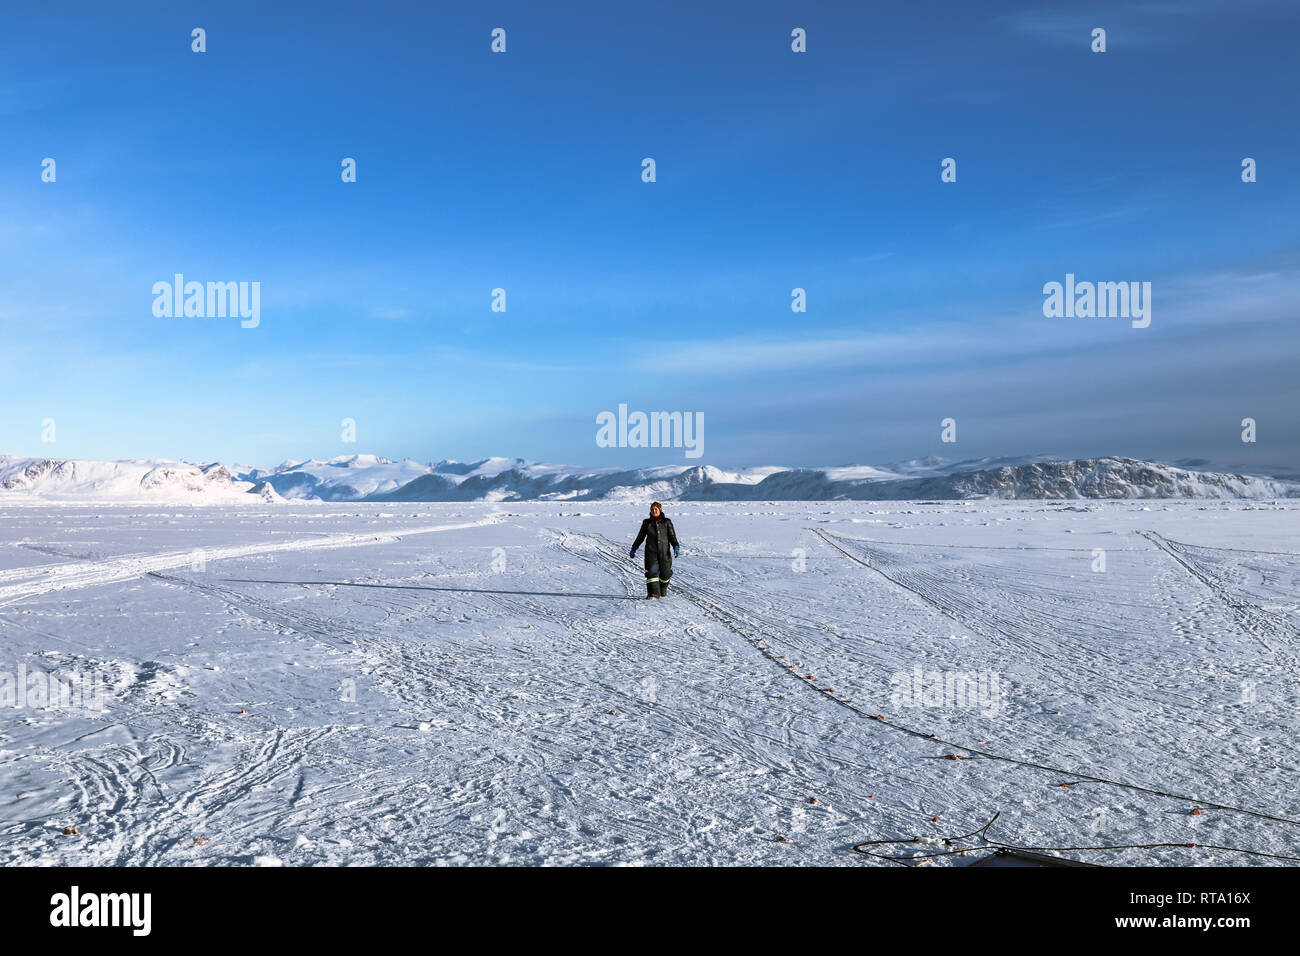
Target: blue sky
[(775, 170)]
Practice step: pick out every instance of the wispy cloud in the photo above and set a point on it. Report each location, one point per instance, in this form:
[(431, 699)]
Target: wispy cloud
[(1141, 24), (1183, 304)]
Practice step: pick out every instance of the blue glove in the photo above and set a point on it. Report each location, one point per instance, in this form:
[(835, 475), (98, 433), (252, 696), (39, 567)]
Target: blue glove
[(677, 552), (632, 553)]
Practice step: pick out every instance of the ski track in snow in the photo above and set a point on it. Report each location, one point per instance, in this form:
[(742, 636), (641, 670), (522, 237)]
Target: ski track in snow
[(516, 728)]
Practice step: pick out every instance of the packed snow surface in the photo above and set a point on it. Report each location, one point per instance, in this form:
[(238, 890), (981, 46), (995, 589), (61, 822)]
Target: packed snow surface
[(485, 683)]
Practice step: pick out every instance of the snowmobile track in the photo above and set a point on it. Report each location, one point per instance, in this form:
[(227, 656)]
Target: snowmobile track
[(46, 579), (1252, 619)]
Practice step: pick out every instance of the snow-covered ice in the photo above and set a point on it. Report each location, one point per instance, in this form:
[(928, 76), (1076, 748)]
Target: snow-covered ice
[(495, 688)]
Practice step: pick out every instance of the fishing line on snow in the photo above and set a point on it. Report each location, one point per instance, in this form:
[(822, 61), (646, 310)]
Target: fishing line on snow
[(694, 594), (982, 833)]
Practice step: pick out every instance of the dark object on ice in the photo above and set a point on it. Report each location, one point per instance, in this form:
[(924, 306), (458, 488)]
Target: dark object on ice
[(660, 542), (1005, 857)]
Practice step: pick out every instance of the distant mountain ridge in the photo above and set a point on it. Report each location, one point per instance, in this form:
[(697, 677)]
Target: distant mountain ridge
[(372, 478)]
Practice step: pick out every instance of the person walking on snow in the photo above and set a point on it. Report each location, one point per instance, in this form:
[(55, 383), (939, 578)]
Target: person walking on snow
[(658, 534)]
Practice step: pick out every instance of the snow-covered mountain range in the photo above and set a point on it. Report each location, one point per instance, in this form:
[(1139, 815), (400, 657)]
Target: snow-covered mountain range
[(371, 478)]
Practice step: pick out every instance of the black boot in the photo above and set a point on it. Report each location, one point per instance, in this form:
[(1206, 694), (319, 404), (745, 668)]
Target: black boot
[(663, 587), (652, 589)]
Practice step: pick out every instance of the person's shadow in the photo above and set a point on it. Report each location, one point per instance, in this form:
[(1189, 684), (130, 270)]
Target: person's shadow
[(426, 587)]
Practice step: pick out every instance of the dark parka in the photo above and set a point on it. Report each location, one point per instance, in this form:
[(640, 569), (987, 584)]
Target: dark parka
[(660, 539)]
